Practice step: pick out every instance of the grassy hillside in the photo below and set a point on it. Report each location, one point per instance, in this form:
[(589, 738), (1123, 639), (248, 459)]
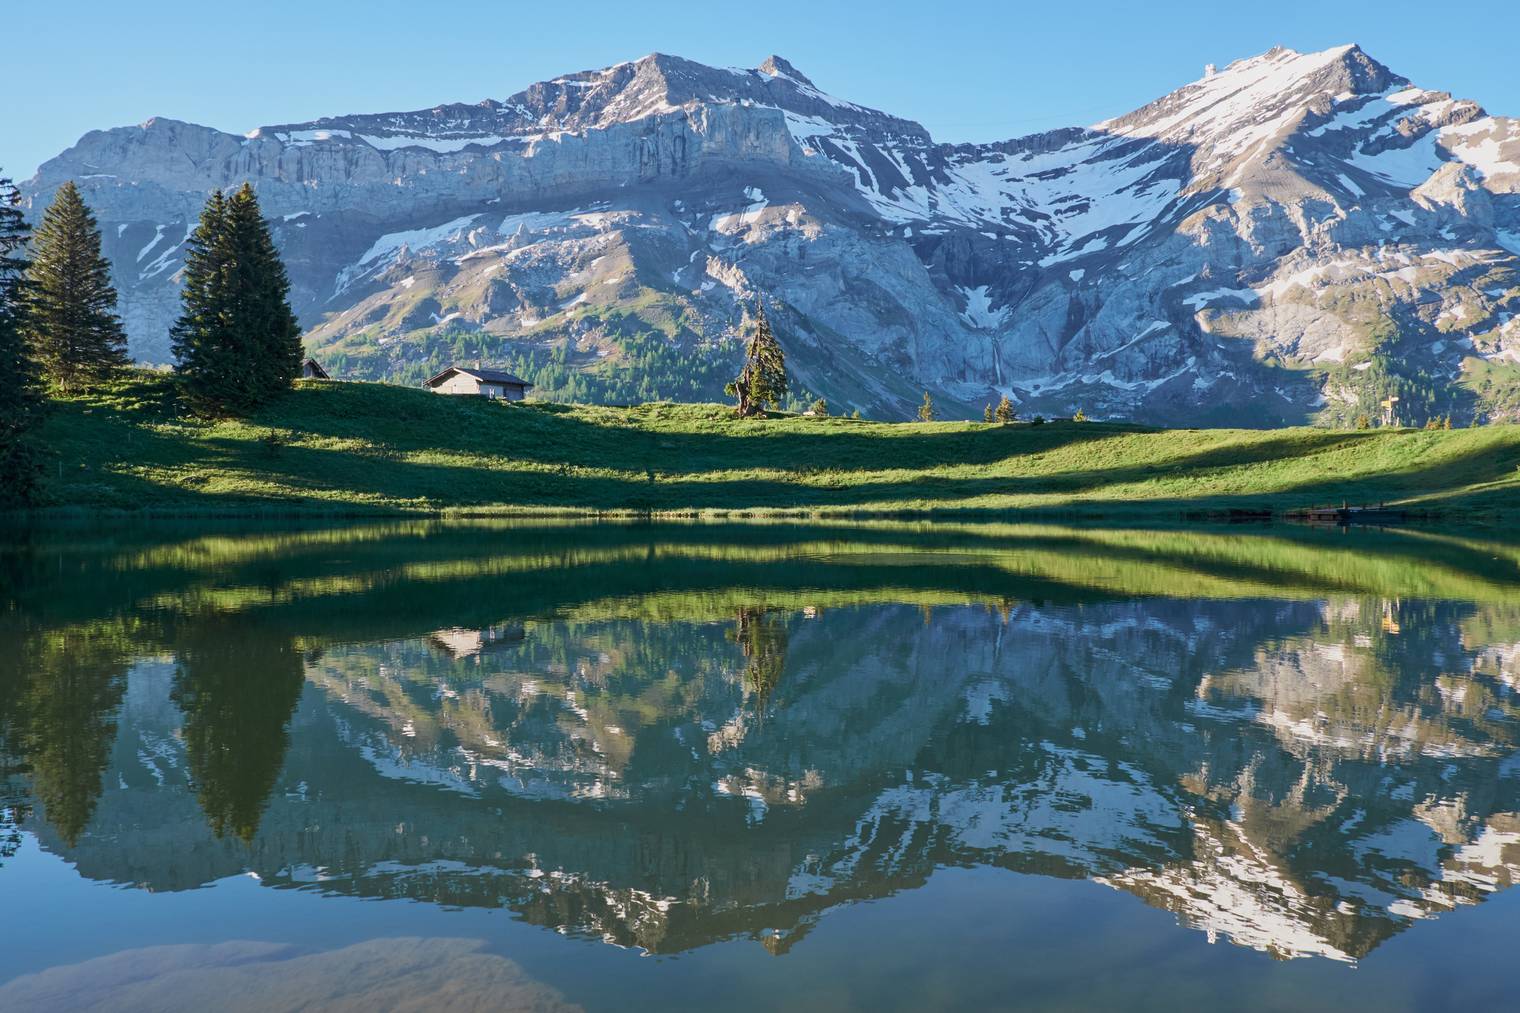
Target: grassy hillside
[(374, 448)]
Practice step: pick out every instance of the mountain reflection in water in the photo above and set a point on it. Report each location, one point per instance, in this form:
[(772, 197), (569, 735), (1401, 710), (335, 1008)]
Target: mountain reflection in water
[(663, 736)]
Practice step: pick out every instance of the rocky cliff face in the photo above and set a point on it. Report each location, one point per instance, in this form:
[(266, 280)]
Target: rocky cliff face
[(1291, 238)]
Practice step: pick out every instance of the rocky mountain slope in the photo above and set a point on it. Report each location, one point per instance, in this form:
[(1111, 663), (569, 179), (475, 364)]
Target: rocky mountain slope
[(1292, 237)]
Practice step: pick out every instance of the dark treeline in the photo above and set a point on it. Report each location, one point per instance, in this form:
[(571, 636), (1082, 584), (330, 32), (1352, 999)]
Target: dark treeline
[(237, 341), (20, 389), (654, 365)]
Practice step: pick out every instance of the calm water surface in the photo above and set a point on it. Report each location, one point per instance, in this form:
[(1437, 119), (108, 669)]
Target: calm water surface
[(872, 767)]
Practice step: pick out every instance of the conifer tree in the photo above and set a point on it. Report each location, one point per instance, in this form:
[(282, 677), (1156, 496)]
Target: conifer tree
[(762, 381), (72, 328), (926, 410), (262, 297), (1005, 412), (204, 346), (21, 401), (987, 413), (237, 342)]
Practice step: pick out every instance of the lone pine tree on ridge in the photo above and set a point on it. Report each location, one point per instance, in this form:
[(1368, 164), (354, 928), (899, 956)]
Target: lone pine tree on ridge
[(762, 381)]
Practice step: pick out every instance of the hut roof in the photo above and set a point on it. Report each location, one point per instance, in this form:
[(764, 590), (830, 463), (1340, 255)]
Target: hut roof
[(483, 375)]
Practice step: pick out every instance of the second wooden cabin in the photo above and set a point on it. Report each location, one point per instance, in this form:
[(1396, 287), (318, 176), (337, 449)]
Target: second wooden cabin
[(493, 383)]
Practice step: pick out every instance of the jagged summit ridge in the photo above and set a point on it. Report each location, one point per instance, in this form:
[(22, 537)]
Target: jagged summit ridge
[(777, 66), (657, 84), (1278, 241)]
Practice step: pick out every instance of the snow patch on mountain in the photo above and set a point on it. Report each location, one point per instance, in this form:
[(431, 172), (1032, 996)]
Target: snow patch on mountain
[(440, 144), (1407, 167), (389, 246), (979, 311)]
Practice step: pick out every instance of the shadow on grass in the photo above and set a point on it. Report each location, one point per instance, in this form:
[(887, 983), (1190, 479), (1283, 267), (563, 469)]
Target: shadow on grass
[(118, 459), (391, 481)]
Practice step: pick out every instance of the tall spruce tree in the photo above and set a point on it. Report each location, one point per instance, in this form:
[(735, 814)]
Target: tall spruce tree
[(262, 295), (237, 342), (21, 401), (71, 323), (762, 381), (205, 351)]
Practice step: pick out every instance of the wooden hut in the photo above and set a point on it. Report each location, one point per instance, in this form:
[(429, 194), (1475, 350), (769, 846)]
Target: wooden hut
[(493, 383)]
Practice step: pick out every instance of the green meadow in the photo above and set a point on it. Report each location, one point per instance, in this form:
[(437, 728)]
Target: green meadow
[(360, 448)]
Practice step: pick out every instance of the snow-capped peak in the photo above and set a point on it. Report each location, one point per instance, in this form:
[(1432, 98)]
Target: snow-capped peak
[(1251, 98)]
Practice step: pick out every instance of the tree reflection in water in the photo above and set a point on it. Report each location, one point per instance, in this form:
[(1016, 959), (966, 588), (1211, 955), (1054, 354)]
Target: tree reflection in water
[(762, 638), (664, 737), (237, 688), (58, 719)]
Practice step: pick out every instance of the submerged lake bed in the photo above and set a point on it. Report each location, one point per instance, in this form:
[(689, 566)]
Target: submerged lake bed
[(861, 765)]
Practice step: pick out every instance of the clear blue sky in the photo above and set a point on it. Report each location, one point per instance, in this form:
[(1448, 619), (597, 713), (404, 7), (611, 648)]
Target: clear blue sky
[(971, 71)]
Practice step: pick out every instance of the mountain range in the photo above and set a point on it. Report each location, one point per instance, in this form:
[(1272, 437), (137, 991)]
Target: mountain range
[(1291, 238)]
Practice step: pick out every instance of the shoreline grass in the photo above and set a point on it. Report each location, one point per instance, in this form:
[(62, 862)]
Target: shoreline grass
[(358, 449)]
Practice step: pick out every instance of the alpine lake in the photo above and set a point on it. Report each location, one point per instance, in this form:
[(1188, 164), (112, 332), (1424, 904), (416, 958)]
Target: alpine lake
[(721, 765)]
